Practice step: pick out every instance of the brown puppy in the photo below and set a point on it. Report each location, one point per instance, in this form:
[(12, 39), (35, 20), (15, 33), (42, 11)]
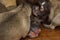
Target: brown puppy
[(35, 22), (55, 14), (15, 23)]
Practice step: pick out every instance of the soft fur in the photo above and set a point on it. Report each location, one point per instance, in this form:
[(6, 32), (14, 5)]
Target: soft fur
[(15, 23), (55, 14)]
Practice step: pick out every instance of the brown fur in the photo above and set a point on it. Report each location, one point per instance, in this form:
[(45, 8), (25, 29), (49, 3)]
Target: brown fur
[(7, 14), (15, 24), (55, 14), (2, 8)]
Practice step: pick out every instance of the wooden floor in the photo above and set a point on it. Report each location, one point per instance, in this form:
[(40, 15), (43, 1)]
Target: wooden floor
[(48, 34)]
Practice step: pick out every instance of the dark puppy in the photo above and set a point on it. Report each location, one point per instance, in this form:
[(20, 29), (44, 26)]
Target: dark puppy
[(45, 10), (40, 14), (15, 23), (35, 22)]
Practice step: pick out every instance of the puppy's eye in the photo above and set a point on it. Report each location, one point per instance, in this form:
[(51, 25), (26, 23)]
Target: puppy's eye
[(43, 3)]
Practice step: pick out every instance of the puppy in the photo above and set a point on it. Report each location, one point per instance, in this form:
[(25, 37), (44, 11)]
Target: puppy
[(35, 22), (15, 23), (54, 16), (40, 14), (45, 11)]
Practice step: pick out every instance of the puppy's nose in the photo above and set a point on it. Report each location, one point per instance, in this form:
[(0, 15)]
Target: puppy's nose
[(42, 8)]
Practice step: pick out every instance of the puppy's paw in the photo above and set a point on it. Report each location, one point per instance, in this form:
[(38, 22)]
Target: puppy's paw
[(47, 26), (52, 27), (32, 34)]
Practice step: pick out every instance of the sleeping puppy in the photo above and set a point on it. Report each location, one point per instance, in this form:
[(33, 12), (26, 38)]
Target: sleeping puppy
[(54, 16), (35, 22), (40, 14), (45, 11)]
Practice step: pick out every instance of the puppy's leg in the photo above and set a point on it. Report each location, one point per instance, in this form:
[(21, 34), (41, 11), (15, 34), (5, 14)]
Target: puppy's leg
[(51, 17), (51, 14), (56, 22), (52, 26), (34, 30)]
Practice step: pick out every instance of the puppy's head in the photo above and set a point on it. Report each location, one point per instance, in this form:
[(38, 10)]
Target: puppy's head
[(44, 5), (35, 10)]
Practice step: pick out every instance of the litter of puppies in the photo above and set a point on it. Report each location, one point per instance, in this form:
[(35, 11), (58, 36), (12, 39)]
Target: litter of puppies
[(30, 17)]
